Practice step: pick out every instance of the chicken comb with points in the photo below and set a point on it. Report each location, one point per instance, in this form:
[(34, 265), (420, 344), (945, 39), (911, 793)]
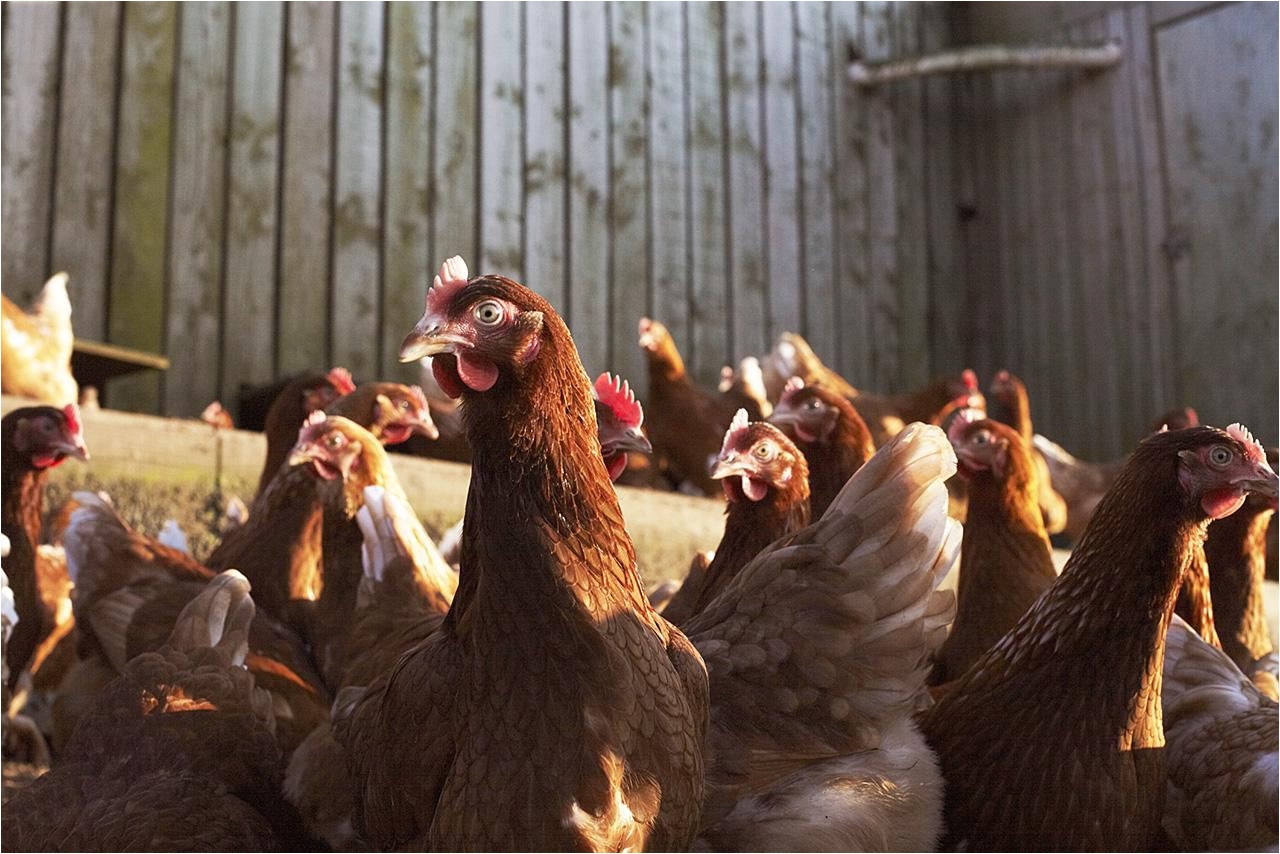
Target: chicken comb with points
[(340, 378), (615, 393), (1252, 447), (737, 428), (453, 276), (311, 427)]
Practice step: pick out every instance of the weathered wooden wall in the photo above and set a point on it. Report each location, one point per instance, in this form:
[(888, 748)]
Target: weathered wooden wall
[(1120, 238), (258, 188)]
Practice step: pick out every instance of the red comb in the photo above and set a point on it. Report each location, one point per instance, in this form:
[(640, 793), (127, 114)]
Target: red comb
[(452, 278), (312, 426), (72, 414), (419, 396), (1252, 449), (737, 428), (970, 379), (340, 378), (615, 393)]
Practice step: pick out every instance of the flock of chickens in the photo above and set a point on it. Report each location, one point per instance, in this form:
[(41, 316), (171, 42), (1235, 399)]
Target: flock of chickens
[(332, 678)]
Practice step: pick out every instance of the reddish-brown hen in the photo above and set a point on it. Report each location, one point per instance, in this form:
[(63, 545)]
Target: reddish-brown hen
[(834, 438), (1006, 562), (33, 440), (1009, 403), (1053, 739), (554, 708), (766, 482), (292, 405), (179, 753), (686, 422)]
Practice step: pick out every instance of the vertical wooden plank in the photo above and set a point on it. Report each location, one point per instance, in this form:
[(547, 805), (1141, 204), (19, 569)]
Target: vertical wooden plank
[(357, 190), (30, 115), (782, 180), (984, 292), (199, 173), (455, 120), (408, 262), (82, 198), (913, 336), (882, 218), (668, 170), (968, 213), (746, 179), (945, 271), (1160, 353), (855, 342), (814, 108), (248, 353), (500, 142), (1002, 221), (136, 317), (588, 163), (544, 140), (1037, 313), (709, 281), (628, 202), (306, 190)]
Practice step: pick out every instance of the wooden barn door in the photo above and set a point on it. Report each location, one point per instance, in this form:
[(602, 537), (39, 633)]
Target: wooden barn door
[(1218, 98)]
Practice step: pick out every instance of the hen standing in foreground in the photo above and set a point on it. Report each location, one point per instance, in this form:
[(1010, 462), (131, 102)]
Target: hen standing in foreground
[(554, 708), (1053, 739)]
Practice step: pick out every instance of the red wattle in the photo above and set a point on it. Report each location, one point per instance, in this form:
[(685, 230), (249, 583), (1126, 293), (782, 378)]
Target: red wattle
[(446, 378), (1219, 503), (476, 371)]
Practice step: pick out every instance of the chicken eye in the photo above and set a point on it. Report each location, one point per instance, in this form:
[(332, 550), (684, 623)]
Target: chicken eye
[(404, 406), (488, 313), (1219, 455), (812, 404), (763, 451), (333, 441), (982, 437)]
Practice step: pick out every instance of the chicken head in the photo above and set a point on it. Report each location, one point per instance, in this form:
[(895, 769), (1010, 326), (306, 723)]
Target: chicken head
[(46, 435), (1218, 472), (755, 458)]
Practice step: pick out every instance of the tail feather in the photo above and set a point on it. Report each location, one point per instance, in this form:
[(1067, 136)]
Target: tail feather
[(219, 618)]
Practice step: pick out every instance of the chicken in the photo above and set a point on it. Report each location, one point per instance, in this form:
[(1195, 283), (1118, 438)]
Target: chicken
[(129, 591), (1007, 561), (834, 438), (349, 459), (279, 548), (452, 443), (178, 754), (686, 422), (400, 604), (766, 482), (33, 441), (1033, 761), (744, 388), (1236, 556), (554, 708), (818, 653), (217, 417), (1221, 742), (23, 741), (35, 348), (1009, 404), (290, 407), (392, 412), (792, 356), (619, 417)]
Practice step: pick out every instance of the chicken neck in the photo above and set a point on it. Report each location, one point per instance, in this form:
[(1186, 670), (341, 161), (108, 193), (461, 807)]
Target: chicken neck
[(1236, 552)]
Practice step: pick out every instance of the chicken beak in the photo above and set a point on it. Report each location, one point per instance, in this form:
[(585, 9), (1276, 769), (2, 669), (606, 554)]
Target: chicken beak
[(424, 426), (75, 449), (428, 338), (1264, 484), (731, 467), (632, 440), (302, 454)]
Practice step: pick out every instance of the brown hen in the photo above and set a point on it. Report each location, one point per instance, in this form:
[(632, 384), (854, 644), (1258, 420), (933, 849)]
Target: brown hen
[(834, 438), (1009, 403), (1053, 739), (554, 708), (179, 753), (290, 407)]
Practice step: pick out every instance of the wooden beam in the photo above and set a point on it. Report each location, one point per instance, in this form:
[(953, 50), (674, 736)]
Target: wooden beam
[(986, 58)]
